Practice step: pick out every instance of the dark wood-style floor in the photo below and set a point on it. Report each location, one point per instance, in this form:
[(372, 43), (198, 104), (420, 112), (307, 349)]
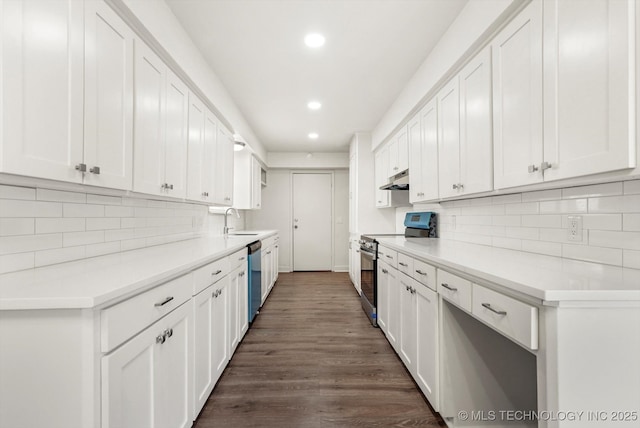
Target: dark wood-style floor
[(311, 359)]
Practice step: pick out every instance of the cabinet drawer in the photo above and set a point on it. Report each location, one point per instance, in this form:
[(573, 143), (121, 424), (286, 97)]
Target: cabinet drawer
[(405, 264), (267, 242), (455, 289), (125, 319), (425, 274), (389, 256), (511, 317), (209, 274), (237, 259)]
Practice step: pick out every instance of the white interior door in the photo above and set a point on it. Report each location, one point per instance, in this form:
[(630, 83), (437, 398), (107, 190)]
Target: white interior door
[(312, 219)]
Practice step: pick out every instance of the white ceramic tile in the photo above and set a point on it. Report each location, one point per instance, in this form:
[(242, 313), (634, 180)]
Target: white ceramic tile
[(506, 220), (507, 199), (113, 211), (83, 210), (564, 206), (118, 234), (53, 225), (103, 223), (149, 231), (522, 232), (166, 221), (543, 195), (609, 256), (511, 243), (461, 219), (597, 221), (104, 200), (26, 243), (631, 259), (16, 208), (156, 204), (17, 226), (596, 190), (134, 202), (615, 204), (14, 192), (632, 187), (541, 247), (475, 239), (60, 196), (61, 255), (631, 222), (101, 249), (15, 262), (611, 239), (523, 208), (470, 210), (496, 230), (561, 235), (132, 244), (549, 220), (73, 239)]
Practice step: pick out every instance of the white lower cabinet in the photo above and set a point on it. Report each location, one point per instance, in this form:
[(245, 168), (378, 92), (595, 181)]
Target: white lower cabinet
[(407, 298), (269, 265), (393, 318), (146, 382), (382, 289), (426, 364)]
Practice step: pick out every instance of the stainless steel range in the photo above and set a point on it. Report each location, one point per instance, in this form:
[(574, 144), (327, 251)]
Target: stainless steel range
[(417, 225)]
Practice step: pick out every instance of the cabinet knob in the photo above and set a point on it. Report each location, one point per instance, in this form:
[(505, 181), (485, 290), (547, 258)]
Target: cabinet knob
[(81, 167), (454, 186), (205, 194), (168, 332), (95, 170), (532, 168), (545, 166), (161, 338)]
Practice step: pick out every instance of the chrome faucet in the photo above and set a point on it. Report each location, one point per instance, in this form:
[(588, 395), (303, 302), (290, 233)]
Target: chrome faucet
[(226, 213)]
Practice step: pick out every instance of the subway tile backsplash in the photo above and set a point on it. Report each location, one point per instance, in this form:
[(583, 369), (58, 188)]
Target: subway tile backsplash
[(537, 222), (40, 227)]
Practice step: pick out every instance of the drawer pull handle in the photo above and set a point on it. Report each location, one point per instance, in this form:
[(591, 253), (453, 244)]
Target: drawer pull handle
[(420, 272), (164, 302), (403, 264), (241, 258), (218, 272), (388, 256), (488, 306), (448, 287), (385, 271)]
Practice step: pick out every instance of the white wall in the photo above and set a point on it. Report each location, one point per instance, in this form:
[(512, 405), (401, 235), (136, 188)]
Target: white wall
[(308, 160), (476, 20), (276, 214)]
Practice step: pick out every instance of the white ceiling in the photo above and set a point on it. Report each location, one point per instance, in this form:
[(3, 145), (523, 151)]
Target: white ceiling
[(372, 49)]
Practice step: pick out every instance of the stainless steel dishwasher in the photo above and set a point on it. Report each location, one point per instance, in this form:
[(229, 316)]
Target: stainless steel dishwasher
[(255, 278)]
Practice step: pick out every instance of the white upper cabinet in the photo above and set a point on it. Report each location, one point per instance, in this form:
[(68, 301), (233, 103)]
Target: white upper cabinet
[(195, 151), (398, 148), (517, 99), (247, 181), (381, 167), (449, 139), (108, 108), (589, 86), (42, 88), (423, 154), (160, 138), (224, 168)]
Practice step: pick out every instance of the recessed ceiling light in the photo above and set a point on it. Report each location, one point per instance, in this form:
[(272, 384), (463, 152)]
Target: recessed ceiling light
[(314, 105), (314, 40), (313, 135)]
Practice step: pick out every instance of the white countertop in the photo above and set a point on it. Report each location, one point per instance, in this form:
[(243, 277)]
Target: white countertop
[(550, 279), (100, 280)]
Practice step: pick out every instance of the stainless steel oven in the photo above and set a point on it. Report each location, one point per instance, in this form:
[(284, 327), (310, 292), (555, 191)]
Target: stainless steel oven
[(368, 276)]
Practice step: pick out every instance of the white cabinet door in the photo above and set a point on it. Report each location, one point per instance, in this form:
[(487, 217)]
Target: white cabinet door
[(256, 183), (393, 318), (203, 347), (266, 273), (392, 148), (383, 297), (42, 88), (415, 159), (476, 143), (195, 151), (243, 300), (449, 139), (589, 86), (407, 290), (429, 151), (176, 136), (381, 168), (224, 168), (402, 160), (149, 129), (209, 158), (108, 107), (517, 100), (426, 362), (233, 332), (276, 262), (219, 329), (353, 193)]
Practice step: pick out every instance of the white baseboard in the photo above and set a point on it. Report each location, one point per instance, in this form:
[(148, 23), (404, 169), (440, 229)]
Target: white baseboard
[(341, 268)]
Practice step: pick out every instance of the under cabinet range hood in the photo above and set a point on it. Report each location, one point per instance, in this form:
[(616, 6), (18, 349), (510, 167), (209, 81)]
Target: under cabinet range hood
[(400, 181)]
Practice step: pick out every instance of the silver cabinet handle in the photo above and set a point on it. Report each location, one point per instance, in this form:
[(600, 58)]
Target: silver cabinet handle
[(420, 272), (241, 258), (403, 264), (161, 338), (268, 252), (81, 167), (448, 287), (95, 170), (164, 302), (205, 194), (545, 166), (532, 168), (488, 306), (218, 272), (385, 271), (388, 256), (168, 332), (167, 186), (227, 198), (215, 294), (357, 251), (407, 287), (454, 186), (413, 290)]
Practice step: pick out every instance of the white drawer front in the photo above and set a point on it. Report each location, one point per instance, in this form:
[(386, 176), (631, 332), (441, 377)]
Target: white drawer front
[(513, 318), (210, 274), (237, 259), (389, 256), (125, 319), (405, 264), (425, 274), (455, 289), (267, 242)]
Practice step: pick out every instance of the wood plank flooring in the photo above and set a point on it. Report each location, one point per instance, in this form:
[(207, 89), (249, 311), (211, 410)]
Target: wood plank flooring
[(311, 359)]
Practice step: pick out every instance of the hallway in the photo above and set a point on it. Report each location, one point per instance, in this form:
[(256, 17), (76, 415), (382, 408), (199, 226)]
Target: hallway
[(311, 359)]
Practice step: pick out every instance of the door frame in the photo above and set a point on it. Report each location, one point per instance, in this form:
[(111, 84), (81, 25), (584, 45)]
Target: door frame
[(333, 214)]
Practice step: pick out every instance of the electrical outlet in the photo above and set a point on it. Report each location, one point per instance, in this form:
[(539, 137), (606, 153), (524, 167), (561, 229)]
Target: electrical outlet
[(574, 229)]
